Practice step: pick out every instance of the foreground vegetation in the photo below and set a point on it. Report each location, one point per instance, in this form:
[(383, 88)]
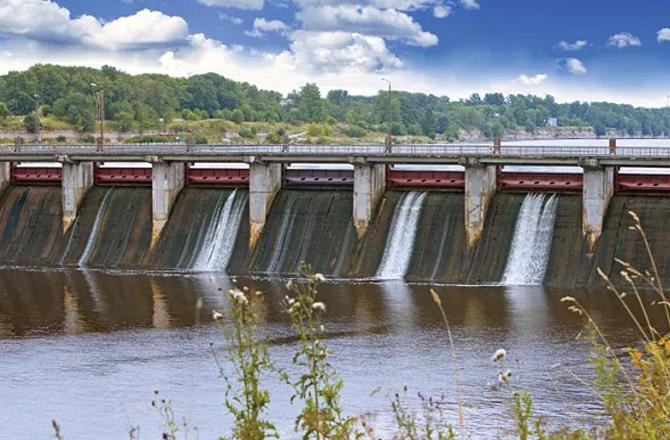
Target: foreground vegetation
[(153, 102), (633, 388)]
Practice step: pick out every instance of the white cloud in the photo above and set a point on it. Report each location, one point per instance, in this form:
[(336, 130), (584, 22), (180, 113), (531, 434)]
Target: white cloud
[(577, 45), (533, 79), (470, 4), (663, 35), (263, 26), (386, 23), (624, 39), (574, 66), (250, 5), (335, 51), (234, 20), (46, 21), (441, 11)]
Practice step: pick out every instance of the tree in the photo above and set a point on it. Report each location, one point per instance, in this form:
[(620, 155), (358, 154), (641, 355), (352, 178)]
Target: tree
[(4, 112), (428, 123), (31, 122), (237, 116), (310, 104)]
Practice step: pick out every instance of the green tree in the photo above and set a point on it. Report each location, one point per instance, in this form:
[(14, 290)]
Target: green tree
[(237, 116), (4, 112), (310, 105), (31, 122)]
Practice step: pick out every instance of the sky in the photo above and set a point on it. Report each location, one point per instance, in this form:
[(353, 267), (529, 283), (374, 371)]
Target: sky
[(587, 50)]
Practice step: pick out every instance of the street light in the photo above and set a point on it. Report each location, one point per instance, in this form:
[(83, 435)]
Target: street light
[(38, 121), (389, 140), (99, 94)]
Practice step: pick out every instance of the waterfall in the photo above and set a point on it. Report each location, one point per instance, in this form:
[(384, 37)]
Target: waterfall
[(529, 254), (286, 227), (93, 237), (400, 241), (219, 240)]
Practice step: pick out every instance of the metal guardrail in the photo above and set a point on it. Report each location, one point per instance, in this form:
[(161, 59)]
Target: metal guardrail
[(396, 150)]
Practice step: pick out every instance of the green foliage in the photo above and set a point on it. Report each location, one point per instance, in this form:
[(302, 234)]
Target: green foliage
[(237, 116), (4, 112), (31, 122)]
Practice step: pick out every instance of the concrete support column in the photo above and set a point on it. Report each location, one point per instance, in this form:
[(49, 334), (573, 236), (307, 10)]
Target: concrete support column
[(597, 192), (78, 177), (167, 180), (369, 185), (480, 185), (5, 174), (265, 181)]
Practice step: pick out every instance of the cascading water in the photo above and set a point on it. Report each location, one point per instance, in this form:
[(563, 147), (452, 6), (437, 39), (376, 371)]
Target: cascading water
[(282, 240), (221, 234), (400, 241), (529, 254), (93, 238)]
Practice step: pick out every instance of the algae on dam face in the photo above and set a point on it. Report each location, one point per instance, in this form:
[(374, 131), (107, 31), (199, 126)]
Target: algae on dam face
[(304, 226)]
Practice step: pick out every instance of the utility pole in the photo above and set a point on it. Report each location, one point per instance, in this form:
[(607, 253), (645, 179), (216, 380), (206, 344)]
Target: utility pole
[(389, 139), (38, 120), (99, 94)]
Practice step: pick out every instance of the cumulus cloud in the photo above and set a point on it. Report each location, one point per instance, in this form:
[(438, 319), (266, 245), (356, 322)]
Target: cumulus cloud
[(577, 45), (46, 21), (263, 26), (624, 39), (574, 66), (533, 79), (470, 4), (250, 5), (663, 35), (441, 11), (384, 23), (335, 51)]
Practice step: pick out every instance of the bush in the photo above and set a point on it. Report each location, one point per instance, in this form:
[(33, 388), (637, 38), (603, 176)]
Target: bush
[(237, 116), (273, 138), (355, 131), (247, 132), (149, 139)]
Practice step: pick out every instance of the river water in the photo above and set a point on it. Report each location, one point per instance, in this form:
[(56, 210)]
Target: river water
[(89, 349)]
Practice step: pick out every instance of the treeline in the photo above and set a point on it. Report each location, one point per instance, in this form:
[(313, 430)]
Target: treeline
[(150, 101)]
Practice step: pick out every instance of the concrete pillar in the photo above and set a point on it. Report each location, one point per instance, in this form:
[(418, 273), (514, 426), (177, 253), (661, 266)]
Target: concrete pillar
[(597, 191), (369, 185), (265, 181), (167, 180), (5, 174), (77, 178), (480, 185)]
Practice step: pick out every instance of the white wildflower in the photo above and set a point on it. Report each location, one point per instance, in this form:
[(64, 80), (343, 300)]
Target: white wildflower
[(259, 293), (319, 306), (245, 288), (289, 284), (217, 316), (505, 376), (319, 277), (499, 355), (238, 296)]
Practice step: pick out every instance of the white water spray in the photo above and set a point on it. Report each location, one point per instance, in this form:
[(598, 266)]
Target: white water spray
[(93, 237), (219, 240), (400, 241), (531, 245)]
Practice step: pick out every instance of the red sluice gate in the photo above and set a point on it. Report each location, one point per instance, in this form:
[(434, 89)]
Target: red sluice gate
[(642, 183), (319, 178), (446, 180), (47, 176), (217, 177), (123, 176), (542, 182)]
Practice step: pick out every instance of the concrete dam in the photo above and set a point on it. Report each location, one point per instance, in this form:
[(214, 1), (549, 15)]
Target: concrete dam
[(478, 225)]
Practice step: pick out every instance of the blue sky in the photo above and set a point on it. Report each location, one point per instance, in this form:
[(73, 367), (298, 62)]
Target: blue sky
[(615, 50)]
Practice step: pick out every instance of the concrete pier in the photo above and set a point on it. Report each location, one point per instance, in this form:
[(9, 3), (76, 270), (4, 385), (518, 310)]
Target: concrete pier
[(265, 181), (369, 185), (597, 191), (167, 180), (78, 177), (5, 174), (480, 185)]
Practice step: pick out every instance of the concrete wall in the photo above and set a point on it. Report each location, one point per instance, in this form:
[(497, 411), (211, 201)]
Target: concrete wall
[(369, 185), (597, 192), (77, 179), (480, 185), (168, 180), (5, 174), (265, 181)]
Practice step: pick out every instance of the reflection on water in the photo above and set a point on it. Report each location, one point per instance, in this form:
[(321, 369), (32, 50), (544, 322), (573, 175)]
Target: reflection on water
[(89, 348)]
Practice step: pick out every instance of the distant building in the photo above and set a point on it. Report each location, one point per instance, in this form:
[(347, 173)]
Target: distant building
[(552, 122)]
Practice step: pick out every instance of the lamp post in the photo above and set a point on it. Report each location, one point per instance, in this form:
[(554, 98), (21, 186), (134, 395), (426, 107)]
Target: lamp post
[(38, 121), (389, 140), (99, 94)]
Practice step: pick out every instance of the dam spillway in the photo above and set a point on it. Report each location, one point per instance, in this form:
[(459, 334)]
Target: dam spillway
[(473, 226)]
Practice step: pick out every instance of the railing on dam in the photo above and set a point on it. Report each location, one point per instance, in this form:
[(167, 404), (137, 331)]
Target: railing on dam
[(479, 150)]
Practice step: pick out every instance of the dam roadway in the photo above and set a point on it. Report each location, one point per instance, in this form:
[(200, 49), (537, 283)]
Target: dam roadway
[(372, 174)]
